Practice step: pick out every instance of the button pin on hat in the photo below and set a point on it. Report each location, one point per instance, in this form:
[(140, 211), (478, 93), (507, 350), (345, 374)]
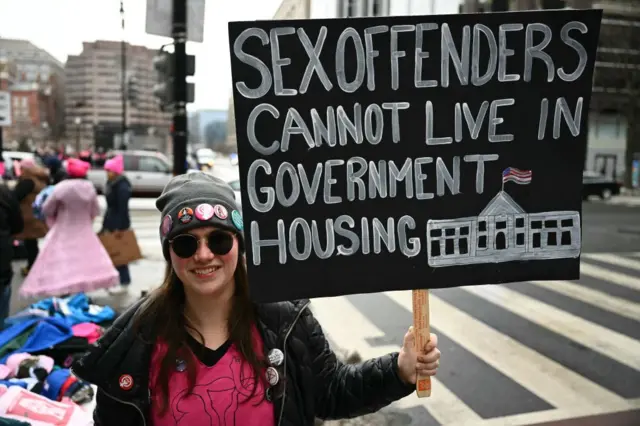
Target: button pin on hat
[(236, 218)]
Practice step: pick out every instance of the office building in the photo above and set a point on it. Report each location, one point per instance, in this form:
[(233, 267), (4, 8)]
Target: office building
[(94, 95), (36, 81), (616, 81)]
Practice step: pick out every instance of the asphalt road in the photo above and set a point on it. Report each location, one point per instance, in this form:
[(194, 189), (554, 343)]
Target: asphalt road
[(610, 228)]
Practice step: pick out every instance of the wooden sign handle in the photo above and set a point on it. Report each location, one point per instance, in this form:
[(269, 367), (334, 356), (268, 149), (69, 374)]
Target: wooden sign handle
[(423, 333)]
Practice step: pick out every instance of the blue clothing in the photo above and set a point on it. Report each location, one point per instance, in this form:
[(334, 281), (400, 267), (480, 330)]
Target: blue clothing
[(125, 276), (74, 309), (46, 332)]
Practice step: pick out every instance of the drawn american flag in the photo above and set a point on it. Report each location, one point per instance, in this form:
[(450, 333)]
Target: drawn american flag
[(521, 177)]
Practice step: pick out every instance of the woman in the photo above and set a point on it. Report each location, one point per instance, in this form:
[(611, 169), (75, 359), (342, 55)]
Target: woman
[(197, 351), (116, 218), (72, 259), (31, 181)]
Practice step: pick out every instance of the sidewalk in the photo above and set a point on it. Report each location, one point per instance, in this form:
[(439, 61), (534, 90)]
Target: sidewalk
[(146, 275)]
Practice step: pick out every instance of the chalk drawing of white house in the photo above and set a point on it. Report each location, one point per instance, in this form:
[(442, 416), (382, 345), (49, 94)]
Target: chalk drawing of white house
[(503, 232)]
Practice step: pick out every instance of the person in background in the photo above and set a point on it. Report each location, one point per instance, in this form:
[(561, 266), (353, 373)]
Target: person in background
[(198, 348), (51, 161), (31, 180), (116, 218), (72, 259), (10, 223)]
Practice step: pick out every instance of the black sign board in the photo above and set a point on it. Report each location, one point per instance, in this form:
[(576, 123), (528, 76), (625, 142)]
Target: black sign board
[(411, 152)]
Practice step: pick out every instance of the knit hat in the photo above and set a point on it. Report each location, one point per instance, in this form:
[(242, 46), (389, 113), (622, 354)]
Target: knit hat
[(77, 168), (195, 200), (115, 165)]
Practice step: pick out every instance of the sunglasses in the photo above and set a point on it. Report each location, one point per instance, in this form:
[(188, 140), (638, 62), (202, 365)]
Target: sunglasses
[(186, 245)]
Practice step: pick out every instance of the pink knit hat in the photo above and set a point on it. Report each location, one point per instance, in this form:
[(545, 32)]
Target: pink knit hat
[(77, 168), (115, 165)]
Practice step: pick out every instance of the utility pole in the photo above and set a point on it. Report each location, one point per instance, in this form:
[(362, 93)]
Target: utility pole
[(179, 34), (123, 63)]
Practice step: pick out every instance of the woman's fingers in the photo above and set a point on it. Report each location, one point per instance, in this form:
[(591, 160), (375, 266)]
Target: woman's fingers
[(429, 357), (432, 343)]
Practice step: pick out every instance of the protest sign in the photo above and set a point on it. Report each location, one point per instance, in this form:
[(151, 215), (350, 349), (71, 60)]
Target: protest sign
[(411, 152)]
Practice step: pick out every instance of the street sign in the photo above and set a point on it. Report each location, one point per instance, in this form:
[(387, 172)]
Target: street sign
[(158, 20), (5, 109)]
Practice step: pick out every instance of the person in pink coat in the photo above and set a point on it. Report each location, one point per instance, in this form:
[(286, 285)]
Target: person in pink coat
[(72, 258)]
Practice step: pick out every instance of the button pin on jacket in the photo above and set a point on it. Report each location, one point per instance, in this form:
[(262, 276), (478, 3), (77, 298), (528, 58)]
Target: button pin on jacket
[(276, 357), (125, 382), (272, 376), (181, 365)]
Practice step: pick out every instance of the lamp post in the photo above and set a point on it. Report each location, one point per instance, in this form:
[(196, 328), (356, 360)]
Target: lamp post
[(123, 63)]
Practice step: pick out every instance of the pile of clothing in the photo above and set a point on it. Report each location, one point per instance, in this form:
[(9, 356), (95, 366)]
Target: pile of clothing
[(38, 346)]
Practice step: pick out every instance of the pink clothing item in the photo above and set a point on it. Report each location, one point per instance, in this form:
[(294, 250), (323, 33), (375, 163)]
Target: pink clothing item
[(90, 331), (2, 168), (14, 361), (72, 259), (27, 163), (77, 168), (115, 165), (20, 404), (5, 372), (221, 396)]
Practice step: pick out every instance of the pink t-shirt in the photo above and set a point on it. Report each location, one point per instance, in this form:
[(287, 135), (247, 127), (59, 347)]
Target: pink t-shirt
[(221, 396)]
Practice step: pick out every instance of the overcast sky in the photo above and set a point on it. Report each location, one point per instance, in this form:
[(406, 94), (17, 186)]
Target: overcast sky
[(60, 27)]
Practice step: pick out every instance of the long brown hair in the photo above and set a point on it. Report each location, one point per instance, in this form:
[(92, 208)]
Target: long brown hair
[(164, 314)]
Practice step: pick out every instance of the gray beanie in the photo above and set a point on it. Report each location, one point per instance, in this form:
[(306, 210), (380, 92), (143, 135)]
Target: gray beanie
[(194, 200)]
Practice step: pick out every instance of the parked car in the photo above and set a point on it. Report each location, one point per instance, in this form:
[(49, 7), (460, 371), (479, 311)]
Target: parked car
[(11, 156), (594, 183), (147, 171)]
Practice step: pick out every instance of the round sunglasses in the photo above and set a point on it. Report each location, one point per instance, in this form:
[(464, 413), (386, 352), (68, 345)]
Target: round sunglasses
[(186, 245)]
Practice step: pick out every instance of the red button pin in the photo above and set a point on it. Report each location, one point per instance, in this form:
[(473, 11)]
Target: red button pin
[(125, 382)]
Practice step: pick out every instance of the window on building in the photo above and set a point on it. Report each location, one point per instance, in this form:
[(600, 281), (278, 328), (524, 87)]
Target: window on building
[(520, 231), (482, 233), (450, 241), (551, 233), (552, 4)]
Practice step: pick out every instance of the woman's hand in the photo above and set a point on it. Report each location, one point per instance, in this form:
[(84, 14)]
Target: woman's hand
[(412, 362)]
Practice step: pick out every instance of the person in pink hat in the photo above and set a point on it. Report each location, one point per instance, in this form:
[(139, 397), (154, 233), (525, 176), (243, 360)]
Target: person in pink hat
[(72, 258), (117, 218)]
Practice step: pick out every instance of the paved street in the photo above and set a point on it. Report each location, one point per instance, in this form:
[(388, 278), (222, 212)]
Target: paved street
[(515, 354)]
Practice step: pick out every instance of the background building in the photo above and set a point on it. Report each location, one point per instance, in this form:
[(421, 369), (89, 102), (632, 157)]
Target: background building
[(614, 128), (36, 82), (94, 97)]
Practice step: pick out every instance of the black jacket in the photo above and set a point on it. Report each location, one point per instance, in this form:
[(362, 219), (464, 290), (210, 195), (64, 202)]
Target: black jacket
[(317, 384)]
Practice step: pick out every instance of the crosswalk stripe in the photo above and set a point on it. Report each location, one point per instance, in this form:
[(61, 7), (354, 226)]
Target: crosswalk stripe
[(544, 377), (610, 276), (345, 322), (614, 260), (608, 342), (443, 405), (596, 298), (541, 417)]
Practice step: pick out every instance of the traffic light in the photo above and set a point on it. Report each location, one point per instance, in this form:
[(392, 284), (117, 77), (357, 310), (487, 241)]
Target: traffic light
[(164, 64), (133, 90)]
